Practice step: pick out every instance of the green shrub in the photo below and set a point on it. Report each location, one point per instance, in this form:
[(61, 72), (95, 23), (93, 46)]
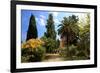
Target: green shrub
[(50, 44), (39, 53), (73, 53), (62, 52), (68, 52), (33, 54), (81, 54)]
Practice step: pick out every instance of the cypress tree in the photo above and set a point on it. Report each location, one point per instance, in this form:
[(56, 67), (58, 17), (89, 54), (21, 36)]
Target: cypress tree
[(32, 29), (50, 33)]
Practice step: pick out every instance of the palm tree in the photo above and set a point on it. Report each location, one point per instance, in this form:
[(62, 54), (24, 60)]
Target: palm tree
[(68, 29)]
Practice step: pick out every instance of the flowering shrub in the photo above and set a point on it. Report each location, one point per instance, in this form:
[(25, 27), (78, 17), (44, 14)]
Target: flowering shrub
[(32, 51), (32, 43)]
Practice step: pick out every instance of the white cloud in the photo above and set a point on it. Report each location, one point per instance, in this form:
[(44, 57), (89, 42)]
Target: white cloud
[(41, 20), (41, 16)]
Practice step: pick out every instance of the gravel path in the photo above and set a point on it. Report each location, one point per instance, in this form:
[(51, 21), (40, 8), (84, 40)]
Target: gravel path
[(53, 58)]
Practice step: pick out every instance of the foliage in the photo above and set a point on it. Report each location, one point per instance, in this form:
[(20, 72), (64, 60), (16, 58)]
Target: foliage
[(33, 54), (69, 52), (32, 43), (50, 33), (32, 29), (69, 29), (84, 41), (79, 50), (76, 40), (32, 50), (50, 44), (72, 53)]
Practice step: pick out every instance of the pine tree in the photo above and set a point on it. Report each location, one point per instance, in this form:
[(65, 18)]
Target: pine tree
[(32, 29), (50, 33)]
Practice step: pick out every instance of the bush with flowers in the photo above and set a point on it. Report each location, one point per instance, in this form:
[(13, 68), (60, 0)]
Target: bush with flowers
[(32, 50), (32, 43)]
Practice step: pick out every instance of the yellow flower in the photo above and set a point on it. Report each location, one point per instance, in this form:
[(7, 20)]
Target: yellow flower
[(32, 43)]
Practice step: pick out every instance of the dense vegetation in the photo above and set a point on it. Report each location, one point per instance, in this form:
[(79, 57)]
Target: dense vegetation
[(77, 39), (33, 51), (74, 33), (50, 35)]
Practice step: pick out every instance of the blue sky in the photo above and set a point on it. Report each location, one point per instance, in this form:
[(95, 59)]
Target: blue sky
[(41, 18)]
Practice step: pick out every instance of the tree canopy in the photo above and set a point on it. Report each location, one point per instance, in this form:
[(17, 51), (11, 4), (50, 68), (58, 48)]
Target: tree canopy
[(69, 29)]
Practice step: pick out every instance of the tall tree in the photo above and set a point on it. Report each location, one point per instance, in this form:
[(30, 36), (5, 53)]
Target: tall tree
[(50, 33), (32, 29), (84, 43), (68, 29)]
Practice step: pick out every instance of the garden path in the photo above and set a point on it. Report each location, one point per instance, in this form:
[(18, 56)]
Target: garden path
[(52, 58)]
